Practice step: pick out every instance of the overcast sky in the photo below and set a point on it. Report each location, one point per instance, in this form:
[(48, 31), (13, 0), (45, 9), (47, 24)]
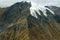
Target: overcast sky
[(4, 3)]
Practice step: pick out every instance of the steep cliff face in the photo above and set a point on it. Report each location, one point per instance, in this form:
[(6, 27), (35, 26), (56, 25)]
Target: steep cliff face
[(19, 24)]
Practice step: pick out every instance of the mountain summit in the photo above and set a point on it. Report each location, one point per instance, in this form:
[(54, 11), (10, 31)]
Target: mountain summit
[(16, 11)]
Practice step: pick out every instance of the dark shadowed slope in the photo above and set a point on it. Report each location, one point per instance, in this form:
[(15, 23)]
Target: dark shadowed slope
[(19, 24), (15, 12), (56, 11), (2, 10)]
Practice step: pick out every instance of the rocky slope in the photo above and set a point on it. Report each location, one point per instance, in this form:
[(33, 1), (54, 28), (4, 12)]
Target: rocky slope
[(18, 24), (56, 11)]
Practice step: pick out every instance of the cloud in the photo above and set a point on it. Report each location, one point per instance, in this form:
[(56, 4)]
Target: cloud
[(1, 0), (4, 3)]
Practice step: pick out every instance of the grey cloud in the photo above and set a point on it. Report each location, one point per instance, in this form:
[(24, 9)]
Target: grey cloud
[(4, 3)]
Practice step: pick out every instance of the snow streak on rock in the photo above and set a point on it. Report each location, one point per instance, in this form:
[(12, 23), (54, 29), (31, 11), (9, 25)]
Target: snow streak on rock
[(36, 7)]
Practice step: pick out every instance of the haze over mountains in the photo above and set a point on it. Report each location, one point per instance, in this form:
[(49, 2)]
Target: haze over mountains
[(17, 23)]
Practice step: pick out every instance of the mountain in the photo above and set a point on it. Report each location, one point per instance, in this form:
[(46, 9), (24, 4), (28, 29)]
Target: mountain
[(2, 10), (56, 10), (15, 12), (17, 23)]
